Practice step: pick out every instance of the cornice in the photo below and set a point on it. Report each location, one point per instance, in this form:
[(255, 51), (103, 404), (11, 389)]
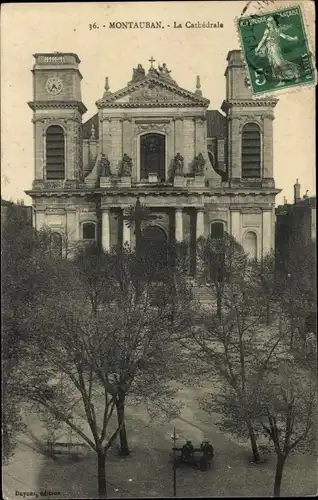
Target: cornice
[(36, 105), (108, 102), (150, 104), (249, 103), (172, 191)]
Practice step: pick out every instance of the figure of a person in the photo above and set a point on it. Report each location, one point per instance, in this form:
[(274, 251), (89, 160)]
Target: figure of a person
[(163, 70), (269, 47), (207, 448), (198, 164), (178, 164), (104, 166), (126, 166), (138, 73), (187, 451)]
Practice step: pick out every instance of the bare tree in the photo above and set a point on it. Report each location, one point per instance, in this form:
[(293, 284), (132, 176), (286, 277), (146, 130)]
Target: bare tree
[(297, 287), (109, 342), (27, 266), (287, 412), (69, 244), (151, 304), (226, 345), (217, 258)]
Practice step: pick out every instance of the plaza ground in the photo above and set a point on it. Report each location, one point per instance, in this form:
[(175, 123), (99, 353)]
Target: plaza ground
[(148, 471)]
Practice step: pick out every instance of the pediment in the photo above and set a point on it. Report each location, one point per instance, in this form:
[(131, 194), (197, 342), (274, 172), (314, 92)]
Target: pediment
[(152, 92)]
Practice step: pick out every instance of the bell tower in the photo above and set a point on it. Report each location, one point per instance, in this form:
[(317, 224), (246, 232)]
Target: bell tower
[(250, 127), (57, 119)]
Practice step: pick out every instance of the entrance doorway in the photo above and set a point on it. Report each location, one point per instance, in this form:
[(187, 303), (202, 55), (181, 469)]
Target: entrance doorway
[(153, 156), (155, 246)]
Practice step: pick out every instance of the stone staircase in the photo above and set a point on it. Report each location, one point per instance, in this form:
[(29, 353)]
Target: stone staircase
[(201, 293)]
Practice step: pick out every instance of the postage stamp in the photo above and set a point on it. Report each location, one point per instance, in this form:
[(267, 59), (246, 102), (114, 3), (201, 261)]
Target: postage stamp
[(276, 50)]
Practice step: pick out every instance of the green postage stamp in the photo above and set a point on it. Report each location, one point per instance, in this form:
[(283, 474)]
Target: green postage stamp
[(276, 51)]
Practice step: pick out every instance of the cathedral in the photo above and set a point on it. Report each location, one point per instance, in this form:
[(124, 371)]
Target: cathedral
[(199, 172)]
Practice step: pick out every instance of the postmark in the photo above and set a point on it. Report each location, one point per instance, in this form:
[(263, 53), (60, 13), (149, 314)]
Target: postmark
[(276, 50)]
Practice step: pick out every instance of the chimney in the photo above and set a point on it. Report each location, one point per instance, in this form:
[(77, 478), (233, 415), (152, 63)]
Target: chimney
[(296, 192)]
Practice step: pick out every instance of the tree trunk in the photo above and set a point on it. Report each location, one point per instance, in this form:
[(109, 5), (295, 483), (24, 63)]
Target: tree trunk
[(268, 319), (101, 460), (256, 455), (120, 406), (219, 305), (279, 475)]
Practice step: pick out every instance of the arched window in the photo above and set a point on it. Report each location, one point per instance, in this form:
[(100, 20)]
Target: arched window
[(250, 244), (89, 231), (56, 243), (55, 153), (251, 151), (153, 156), (217, 231)]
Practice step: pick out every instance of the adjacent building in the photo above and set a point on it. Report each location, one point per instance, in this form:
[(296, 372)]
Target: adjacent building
[(200, 171), (295, 222), (9, 207)]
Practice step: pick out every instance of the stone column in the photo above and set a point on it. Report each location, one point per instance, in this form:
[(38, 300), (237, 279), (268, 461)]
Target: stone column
[(106, 230), (236, 225), (33, 218), (126, 234), (200, 223), (179, 224), (266, 232)]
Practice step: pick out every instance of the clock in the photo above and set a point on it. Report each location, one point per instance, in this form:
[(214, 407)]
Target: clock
[(54, 85)]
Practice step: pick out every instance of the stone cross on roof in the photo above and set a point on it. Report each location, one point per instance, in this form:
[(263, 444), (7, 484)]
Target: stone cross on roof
[(151, 60)]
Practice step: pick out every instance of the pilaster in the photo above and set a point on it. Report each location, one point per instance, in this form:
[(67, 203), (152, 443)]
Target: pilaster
[(236, 225), (178, 136), (116, 138), (268, 145), (200, 223), (188, 144), (235, 147), (179, 224), (267, 228)]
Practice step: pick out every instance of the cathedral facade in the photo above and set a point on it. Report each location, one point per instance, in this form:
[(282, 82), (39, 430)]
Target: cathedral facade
[(200, 172)]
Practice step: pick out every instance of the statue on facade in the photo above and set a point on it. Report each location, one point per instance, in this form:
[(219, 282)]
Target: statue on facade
[(177, 165), (198, 165), (104, 166), (138, 73), (164, 71), (126, 166)]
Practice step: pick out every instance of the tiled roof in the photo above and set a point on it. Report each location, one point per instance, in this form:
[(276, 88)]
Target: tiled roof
[(216, 125)]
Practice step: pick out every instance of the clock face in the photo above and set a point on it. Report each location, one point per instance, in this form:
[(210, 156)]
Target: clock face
[(54, 85)]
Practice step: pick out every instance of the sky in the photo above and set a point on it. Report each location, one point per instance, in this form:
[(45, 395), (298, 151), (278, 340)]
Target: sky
[(27, 29)]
